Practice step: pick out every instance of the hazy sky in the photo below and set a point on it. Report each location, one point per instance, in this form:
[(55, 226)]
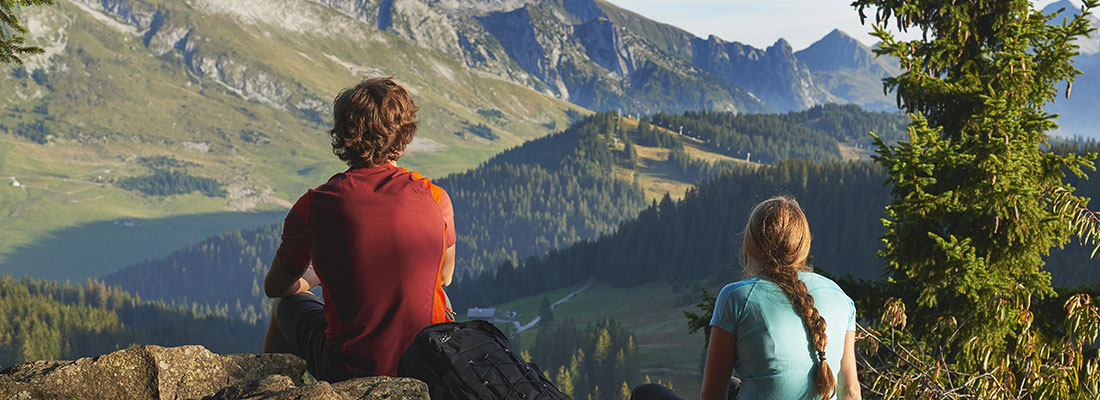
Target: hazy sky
[(759, 22)]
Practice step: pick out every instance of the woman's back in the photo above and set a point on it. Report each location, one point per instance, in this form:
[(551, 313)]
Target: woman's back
[(774, 358)]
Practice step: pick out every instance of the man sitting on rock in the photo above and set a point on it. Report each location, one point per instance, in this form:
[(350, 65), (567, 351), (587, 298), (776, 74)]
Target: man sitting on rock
[(378, 239)]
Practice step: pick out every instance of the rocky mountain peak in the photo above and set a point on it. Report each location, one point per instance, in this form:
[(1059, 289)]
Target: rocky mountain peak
[(774, 75), (584, 10), (837, 51), (781, 45)]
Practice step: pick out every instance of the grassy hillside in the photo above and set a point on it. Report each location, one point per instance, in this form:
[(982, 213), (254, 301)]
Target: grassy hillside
[(543, 195), (238, 90)]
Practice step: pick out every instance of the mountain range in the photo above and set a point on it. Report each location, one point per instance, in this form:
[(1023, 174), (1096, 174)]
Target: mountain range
[(238, 91), (603, 57), (1077, 105)]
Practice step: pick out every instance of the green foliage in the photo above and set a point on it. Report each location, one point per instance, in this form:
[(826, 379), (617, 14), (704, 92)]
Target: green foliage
[(540, 196), (647, 135), (579, 361), (35, 131), (849, 123), (977, 205), (811, 134), (164, 162), (43, 320), (767, 137), (167, 182), (701, 321), (695, 169), (490, 113), (238, 259), (11, 31), (482, 130), (546, 312), (697, 234)]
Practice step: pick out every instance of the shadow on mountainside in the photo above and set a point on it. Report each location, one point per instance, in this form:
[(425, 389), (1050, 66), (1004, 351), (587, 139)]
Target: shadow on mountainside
[(95, 249)]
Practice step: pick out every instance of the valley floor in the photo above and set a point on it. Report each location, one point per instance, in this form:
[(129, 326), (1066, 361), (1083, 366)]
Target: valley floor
[(667, 353)]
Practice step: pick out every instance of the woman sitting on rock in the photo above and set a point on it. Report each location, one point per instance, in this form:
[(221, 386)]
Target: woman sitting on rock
[(778, 327)]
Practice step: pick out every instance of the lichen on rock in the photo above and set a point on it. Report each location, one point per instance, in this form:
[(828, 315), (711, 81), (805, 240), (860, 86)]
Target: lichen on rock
[(190, 372), (147, 372)]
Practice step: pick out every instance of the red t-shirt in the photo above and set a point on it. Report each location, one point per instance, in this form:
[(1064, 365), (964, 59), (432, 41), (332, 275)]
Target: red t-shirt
[(376, 237)]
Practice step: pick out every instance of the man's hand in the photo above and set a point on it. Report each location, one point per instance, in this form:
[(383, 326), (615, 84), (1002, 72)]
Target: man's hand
[(279, 284)]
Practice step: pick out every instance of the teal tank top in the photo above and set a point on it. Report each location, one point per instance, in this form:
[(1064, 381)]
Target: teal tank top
[(774, 358)]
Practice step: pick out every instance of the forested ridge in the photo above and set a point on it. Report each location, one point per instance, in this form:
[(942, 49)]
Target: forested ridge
[(696, 240), (45, 320), (693, 239), (811, 134), (540, 196)]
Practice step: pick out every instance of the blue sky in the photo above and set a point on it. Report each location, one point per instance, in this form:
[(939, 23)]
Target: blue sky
[(759, 22)]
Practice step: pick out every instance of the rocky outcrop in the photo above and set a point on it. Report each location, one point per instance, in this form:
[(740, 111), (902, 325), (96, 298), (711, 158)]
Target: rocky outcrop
[(189, 372), (277, 387), (774, 75), (516, 32), (603, 45)]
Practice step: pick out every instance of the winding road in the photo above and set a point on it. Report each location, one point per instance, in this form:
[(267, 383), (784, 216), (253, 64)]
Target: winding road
[(535, 321)]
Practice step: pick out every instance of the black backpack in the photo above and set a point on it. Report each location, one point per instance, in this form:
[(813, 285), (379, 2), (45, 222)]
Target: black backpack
[(473, 361)]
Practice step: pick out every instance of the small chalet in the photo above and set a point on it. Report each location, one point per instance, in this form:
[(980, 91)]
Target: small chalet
[(486, 314)]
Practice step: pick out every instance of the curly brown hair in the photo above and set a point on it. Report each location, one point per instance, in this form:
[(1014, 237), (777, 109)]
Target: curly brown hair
[(372, 122)]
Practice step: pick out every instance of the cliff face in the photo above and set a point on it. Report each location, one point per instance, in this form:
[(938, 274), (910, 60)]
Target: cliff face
[(571, 49), (775, 74), (189, 372), (849, 70)]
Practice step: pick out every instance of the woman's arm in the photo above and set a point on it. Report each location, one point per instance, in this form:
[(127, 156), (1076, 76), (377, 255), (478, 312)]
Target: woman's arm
[(848, 384), (720, 356)]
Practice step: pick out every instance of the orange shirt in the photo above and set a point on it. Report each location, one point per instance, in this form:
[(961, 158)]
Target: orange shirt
[(376, 237)]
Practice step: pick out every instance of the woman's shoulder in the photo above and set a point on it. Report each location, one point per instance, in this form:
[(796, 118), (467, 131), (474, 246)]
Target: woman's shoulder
[(815, 280), (741, 288), (818, 283)]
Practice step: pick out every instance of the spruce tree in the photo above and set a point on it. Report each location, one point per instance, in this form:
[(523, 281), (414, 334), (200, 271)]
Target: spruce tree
[(12, 31), (546, 311), (977, 204)]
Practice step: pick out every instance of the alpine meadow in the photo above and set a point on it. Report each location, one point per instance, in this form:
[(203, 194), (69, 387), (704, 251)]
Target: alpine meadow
[(605, 181)]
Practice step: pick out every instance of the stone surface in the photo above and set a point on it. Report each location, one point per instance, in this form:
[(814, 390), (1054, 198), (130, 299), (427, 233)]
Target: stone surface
[(369, 388), (147, 372)]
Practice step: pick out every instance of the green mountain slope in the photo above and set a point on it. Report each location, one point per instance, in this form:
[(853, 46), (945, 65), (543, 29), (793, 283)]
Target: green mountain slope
[(42, 320), (240, 90), (695, 240), (544, 195)]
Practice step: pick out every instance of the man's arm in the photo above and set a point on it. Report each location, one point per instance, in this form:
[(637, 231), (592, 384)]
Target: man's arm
[(448, 269), (278, 283)]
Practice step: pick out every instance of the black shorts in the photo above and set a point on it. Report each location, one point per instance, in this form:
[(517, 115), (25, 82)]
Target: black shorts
[(302, 320)]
